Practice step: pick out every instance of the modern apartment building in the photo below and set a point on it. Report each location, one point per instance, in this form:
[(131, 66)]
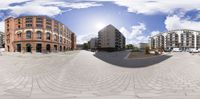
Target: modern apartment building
[(93, 43), (183, 39), (37, 34), (111, 39), (2, 39)]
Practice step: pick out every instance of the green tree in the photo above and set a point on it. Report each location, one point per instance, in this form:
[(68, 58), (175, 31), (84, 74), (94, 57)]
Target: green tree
[(85, 46), (129, 46)]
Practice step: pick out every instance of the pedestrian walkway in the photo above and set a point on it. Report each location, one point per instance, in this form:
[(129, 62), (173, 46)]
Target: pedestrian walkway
[(81, 75)]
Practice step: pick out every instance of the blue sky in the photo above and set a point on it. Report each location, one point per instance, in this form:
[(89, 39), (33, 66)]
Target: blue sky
[(136, 19)]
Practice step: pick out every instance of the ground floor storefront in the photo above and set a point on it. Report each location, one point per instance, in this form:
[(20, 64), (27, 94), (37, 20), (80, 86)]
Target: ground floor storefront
[(39, 47)]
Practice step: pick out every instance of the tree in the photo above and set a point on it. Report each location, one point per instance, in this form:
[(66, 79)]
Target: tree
[(147, 50), (85, 46), (129, 46)]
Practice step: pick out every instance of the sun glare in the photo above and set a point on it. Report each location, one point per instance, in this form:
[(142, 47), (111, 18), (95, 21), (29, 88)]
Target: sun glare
[(100, 25)]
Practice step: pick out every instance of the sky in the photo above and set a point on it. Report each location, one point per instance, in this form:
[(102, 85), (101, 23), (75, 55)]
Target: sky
[(136, 19)]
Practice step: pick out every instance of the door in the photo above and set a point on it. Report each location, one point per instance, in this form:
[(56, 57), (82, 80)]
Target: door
[(18, 47), (39, 48), (28, 48)]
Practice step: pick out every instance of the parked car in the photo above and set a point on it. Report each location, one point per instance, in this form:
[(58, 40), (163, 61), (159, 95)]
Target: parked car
[(176, 50), (193, 51), (167, 50)]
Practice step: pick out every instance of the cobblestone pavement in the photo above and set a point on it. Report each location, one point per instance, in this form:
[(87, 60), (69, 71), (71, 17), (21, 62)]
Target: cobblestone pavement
[(80, 75)]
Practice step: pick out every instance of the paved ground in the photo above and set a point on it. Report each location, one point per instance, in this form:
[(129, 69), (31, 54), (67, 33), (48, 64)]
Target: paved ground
[(82, 75)]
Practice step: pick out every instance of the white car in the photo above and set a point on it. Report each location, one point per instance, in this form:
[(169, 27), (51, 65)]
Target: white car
[(194, 51), (176, 50)]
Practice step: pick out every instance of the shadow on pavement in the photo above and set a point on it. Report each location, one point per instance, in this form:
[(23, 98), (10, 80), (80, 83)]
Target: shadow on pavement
[(117, 58)]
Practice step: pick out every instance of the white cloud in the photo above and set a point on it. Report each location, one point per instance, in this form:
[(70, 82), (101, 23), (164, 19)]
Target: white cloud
[(6, 3), (154, 33), (136, 35), (43, 7), (176, 22), (35, 9), (84, 38), (2, 26), (156, 6), (78, 5)]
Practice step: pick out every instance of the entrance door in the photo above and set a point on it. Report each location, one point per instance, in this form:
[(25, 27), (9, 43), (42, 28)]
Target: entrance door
[(39, 48), (8, 48), (64, 48), (48, 48), (28, 48), (60, 48), (55, 47), (18, 47)]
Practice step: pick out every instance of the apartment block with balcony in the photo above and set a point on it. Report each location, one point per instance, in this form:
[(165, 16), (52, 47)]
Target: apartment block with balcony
[(111, 39), (183, 39)]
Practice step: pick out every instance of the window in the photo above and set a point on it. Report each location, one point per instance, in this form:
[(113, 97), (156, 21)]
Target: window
[(28, 25), (48, 24), (39, 25), (39, 20), (60, 39), (48, 36), (28, 20), (39, 35), (19, 35), (28, 35)]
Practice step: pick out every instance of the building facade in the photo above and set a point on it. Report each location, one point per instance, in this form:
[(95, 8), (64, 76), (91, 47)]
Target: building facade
[(93, 43), (73, 41), (36, 34), (143, 46), (110, 38), (2, 39), (183, 39)]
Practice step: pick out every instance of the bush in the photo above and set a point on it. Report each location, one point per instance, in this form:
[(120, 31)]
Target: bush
[(147, 50)]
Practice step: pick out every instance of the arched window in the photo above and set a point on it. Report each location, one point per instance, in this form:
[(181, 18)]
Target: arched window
[(48, 37), (28, 34), (39, 35)]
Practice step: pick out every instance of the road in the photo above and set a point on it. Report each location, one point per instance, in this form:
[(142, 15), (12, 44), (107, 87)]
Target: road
[(82, 75)]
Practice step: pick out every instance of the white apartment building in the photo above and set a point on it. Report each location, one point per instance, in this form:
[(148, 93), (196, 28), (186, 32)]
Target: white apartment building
[(183, 39), (111, 39), (2, 39)]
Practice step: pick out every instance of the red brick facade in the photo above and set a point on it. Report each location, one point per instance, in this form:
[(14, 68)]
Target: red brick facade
[(73, 44), (37, 34)]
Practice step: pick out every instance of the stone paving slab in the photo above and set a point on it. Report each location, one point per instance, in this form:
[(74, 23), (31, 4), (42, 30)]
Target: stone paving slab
[(82, 75)]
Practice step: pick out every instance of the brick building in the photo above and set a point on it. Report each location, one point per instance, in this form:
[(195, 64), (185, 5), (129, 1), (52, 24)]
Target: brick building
[(37, 34), (73, 41)]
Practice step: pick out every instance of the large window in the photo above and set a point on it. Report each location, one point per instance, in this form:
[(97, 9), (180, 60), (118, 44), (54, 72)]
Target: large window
[(48, 35), (39, 35), (48, 24), (39, 22), (29, 21), (28, 34)]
